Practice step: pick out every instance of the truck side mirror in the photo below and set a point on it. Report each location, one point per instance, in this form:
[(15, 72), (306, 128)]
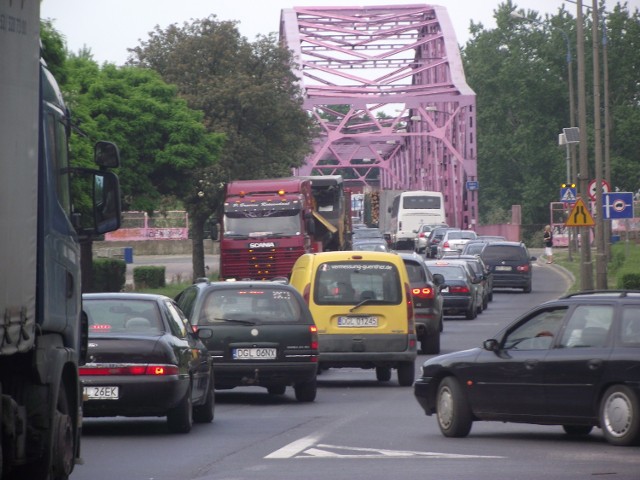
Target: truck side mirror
[(106, 154)]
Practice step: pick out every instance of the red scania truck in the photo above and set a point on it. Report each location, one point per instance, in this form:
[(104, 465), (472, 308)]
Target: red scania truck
[(267, 224)]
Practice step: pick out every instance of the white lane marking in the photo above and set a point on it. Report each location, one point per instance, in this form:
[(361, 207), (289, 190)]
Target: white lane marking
[(294, 448), (299, 449)]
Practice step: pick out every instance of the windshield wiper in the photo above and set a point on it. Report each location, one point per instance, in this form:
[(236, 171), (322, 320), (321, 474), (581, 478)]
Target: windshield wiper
[(363, 302), (236, 320), (235, 235)]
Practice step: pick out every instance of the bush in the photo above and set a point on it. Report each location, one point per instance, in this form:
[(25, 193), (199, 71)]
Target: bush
[(629, 281), (109, 275), (149, 277)]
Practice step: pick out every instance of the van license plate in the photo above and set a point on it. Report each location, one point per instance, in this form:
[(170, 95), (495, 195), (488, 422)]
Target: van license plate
[(101, 393), (254, 354), (357, 321)]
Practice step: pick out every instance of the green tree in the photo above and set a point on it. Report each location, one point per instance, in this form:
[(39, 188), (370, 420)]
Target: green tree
[(246, 90), (519, 73)]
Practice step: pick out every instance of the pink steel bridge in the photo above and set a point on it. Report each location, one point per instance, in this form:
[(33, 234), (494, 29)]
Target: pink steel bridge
[(388, 91)]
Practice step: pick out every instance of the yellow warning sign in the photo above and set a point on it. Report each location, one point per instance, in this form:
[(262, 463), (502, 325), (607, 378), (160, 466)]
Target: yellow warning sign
[(580, 216)]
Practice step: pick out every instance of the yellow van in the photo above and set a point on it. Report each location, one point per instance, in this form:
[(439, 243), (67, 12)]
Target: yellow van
[(361, 303)]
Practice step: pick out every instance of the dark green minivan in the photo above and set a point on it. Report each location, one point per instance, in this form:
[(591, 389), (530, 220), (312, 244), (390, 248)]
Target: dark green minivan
[(261, 334)]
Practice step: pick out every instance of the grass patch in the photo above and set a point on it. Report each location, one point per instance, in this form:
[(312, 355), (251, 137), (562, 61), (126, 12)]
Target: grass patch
[(625, 258)]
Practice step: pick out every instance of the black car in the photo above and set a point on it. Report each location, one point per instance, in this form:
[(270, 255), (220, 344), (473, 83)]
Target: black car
[(144, 359), (261, 334), (510, 263), (460, 291), (482, 272), (428, 302), (573, 362)]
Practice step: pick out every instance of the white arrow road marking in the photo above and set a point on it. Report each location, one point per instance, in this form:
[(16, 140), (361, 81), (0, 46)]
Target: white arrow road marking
[(299, 449)]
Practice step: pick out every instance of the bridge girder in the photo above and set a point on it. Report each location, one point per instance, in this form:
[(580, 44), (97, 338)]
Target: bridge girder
[(387, 89)]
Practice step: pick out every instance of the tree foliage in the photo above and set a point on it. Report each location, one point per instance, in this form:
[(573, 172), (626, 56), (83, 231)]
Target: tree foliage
[(519, 73), (246, 90)]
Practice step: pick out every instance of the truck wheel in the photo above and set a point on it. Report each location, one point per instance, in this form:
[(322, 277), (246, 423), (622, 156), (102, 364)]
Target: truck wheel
[(204, 413), (406, 373), (452, 409), (58, 444), (180, 417)]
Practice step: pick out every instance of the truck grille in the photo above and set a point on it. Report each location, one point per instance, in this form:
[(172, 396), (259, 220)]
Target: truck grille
[(260, 264)]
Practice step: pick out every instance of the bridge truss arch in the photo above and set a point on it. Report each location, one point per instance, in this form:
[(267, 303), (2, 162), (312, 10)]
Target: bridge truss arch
[(387, 89)]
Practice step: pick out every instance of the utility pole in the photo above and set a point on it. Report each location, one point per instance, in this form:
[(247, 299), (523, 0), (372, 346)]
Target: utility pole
[(586, 268), (601, 263)]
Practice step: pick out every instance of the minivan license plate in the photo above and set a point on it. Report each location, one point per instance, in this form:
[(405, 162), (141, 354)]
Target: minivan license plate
[(254, 353), (357, 321)]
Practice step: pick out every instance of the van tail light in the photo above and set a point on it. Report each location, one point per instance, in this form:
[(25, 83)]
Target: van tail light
[(523, 268), (307, 293), (458, 289), (126, 369), (412, 320), (423, 292), (314, 341)]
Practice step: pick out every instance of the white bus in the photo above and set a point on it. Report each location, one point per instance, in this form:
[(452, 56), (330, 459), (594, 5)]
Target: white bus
[(409, 210)]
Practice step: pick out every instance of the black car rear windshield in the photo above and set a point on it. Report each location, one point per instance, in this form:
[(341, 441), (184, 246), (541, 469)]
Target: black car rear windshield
[(348, 283), (493, 253), (251, 305), (122, 316)]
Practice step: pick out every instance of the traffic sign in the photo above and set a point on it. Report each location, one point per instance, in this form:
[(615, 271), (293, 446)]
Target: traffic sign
[(592, 188), (580, 216), (472, 185), (568, 194), (617, 205)]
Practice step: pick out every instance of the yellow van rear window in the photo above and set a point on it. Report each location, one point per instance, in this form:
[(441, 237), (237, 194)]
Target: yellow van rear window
[(350, 282)]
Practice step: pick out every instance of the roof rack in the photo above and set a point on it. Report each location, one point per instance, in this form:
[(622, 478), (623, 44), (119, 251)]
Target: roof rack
[(621, 293)]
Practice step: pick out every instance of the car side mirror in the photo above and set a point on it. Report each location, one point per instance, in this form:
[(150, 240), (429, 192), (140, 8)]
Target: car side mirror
[(492, 345), (205, 333)]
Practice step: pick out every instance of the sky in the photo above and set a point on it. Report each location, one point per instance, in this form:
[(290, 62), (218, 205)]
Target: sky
[(109, 27)]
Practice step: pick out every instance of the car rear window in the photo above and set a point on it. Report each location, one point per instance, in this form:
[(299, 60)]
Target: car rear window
[(449, 272), (120, 316), (493, 253), (340, 283), (255, 305), (415, 271)]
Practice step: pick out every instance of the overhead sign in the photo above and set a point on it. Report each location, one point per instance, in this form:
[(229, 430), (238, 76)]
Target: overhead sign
[(617, 205), (568, 194), (580, 216), (472, 185), (592, 188)]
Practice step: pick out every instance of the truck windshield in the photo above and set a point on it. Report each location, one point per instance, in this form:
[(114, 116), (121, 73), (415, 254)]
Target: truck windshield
[(284, 222)]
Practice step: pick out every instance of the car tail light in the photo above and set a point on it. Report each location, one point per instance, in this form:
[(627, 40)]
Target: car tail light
[(141, 369), (522, 268), (423, 292), (421, 235), (445, 245), (314, 341), (412, 320), (458, 289)]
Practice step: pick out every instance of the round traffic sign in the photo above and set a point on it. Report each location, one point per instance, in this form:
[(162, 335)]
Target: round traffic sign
[(592, 188), (619, 205)]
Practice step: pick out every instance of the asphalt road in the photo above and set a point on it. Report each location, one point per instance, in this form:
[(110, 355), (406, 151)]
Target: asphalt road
[(357, 428)]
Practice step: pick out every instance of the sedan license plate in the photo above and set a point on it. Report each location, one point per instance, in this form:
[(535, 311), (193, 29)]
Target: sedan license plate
[(357, 321), (101, 393), (254, 354), (503, 268)]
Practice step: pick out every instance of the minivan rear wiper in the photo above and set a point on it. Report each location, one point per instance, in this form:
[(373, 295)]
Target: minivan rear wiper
[(363, 302)]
